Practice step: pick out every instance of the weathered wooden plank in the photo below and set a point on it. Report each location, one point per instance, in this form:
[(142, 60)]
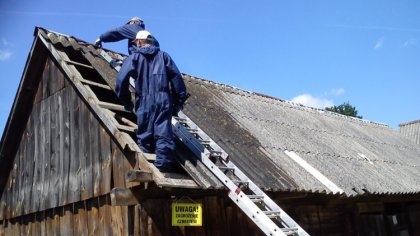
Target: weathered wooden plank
[(123, 197), (8, 198), (53, 179), (117, 166), (93, 216), (20, 176), (139, 176), (130, 163), (95, 154), (7, 230), (42, 222), (56, 221), (136, 220), (17, 196), (27, 222), (27, 159), (2, 230), (180, 183), (36, 181), (36, 226), (143, 220), (14, 185), (73, 194), (38, 96), (105, 221), (49, 218), (117, 220), (64, 117), (67, 221), (85, 159), (105, 159), (46, 147), (45, 87), (30, 164), (80, 220), (60, 145), (61, 79), (51, 81)]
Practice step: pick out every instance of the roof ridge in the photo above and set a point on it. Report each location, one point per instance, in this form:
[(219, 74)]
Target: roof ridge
[(293, 104)]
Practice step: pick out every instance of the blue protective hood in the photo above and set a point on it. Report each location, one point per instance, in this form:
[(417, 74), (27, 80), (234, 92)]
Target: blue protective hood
[(147, 51)]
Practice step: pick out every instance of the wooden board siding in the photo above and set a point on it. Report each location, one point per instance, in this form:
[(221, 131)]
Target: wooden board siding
[(64, 156), (89, 217)]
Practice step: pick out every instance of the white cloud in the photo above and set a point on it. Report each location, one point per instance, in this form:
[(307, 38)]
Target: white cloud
[(5, 55), (309, 100), (409, 42), (379, 43)]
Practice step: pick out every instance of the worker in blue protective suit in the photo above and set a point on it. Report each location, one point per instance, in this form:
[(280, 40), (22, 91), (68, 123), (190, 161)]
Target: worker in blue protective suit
[(160, 93), (127, 31)]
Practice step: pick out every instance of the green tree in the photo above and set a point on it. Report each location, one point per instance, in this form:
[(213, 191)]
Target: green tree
[(344, 109)]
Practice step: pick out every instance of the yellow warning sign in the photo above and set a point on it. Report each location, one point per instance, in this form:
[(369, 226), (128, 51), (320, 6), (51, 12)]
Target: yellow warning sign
[(187, 214)]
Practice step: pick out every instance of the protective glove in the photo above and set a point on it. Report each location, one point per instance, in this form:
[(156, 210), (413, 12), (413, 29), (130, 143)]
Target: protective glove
[(128, 107), (175, 109), (98, 43)]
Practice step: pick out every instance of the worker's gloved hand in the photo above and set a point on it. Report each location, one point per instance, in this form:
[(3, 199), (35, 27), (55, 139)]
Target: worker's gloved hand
[(176, 108), (98, 43), (128, 107)]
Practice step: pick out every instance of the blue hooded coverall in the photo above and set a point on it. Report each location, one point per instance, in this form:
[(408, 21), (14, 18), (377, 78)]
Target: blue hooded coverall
[(160, 90), (127, 31)]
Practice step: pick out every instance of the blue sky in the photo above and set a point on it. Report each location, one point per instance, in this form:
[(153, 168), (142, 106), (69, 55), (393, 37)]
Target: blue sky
[(319, 53)]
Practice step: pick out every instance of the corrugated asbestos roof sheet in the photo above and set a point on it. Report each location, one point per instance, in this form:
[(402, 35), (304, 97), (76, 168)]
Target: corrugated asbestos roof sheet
[(331, 153), (411, 130)]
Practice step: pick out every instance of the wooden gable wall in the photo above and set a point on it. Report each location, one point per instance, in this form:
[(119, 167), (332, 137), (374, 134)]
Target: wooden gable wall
[(65, 155)]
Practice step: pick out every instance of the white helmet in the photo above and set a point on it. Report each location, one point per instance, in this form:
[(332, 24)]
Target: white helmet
[(143, 34)]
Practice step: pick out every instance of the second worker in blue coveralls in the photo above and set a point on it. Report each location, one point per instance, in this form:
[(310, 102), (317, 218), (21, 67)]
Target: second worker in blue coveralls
[(127, 31), (160, 93)]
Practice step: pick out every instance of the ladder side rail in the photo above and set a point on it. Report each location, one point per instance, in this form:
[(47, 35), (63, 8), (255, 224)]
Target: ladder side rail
[(242, 201), (204, 136), (191, 141), (285, 219), (251, 210)]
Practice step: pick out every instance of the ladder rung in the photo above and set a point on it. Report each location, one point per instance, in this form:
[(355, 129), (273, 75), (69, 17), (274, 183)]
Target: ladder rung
[(179, 119), (240, 182), (226, 168), (215, 153), (289, 231), (272, 214), (256, 198), (205, 142), (191, 130)]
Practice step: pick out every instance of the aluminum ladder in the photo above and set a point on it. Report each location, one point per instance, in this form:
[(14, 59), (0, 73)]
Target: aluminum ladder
[(257, 205)]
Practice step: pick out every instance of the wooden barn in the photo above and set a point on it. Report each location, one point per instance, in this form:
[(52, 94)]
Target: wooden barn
[(70, 165)]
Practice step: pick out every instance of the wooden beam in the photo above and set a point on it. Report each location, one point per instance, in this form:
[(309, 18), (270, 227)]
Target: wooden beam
[(112, 106), (176, 183), (78, 64), (104, 86), (140, 176), (123, 197)]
